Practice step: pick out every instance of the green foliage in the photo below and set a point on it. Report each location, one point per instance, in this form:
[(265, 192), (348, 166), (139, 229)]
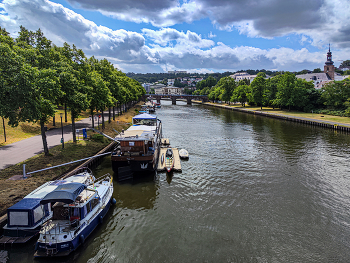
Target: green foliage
[(345, 64), (36, 76), (209, 82), (240, 94), (98, 138), (336, 94), (258, 89)]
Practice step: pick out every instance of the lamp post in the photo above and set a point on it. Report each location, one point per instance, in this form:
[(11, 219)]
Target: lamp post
[(62, 140)]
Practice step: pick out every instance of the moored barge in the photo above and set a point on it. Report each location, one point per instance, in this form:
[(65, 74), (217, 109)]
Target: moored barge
[(138, 146)]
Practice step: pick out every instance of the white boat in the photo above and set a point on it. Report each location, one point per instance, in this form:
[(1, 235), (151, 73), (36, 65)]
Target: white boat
[(183, 154), (77, 210), (25, 218)]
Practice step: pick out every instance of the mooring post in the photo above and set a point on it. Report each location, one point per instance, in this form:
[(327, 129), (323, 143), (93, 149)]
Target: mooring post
[(24, 171)]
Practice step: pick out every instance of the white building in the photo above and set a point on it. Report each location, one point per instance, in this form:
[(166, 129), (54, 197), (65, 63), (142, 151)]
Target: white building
[(243, 75), (169, 91)]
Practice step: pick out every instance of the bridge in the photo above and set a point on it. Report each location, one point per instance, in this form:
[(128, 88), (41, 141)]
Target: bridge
[(173, 97)]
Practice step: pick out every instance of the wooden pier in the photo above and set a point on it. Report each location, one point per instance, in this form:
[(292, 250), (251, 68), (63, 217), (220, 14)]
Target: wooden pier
[(177, 162)]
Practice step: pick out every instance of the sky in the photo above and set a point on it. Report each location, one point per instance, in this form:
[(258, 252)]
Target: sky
[(203, 36)]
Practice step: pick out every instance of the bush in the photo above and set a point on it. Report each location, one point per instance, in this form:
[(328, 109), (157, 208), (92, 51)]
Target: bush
[(98, 138)]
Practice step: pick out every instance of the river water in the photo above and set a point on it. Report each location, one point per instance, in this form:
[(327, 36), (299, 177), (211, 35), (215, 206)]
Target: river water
[(254, 189)]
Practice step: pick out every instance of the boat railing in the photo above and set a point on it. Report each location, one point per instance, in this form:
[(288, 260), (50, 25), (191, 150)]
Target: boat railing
[(103, 178)]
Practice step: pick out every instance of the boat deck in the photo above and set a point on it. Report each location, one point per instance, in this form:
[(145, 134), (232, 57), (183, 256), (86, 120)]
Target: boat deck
[(15, 240), (177, 163)]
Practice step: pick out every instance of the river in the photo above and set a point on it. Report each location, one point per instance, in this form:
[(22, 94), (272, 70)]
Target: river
[(254, 189)]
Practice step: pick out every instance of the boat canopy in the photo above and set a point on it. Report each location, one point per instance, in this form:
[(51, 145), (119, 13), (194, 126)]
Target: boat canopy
[(65, 193), (26, 213), (145, 116)]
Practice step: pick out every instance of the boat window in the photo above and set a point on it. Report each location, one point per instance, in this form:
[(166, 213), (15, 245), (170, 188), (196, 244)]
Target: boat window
[(38, 213), (75, 212), (83, 212), (18, 218), (88, 206), (94, 203)]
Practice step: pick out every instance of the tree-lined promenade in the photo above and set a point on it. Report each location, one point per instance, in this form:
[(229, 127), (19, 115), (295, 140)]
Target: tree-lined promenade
[(38, 77)]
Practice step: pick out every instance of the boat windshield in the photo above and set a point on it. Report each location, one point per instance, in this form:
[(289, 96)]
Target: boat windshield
[(145, 122)]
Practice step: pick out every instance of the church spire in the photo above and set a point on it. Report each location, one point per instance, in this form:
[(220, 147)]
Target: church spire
[(329, 56), (329, 67)]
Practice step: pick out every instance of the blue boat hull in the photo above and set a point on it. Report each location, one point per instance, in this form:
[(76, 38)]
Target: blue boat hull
[(65, 248)]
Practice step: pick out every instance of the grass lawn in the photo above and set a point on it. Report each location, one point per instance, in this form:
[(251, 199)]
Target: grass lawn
[(26, 130)]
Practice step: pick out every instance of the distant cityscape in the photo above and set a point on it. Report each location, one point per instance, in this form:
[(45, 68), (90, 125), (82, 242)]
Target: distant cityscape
[(187, 84)]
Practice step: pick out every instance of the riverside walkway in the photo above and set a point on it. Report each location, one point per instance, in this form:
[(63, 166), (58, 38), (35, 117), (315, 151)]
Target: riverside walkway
[(20, 151), (289, 117)]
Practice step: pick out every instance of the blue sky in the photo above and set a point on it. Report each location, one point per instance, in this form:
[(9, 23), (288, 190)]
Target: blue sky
[(145, 36)]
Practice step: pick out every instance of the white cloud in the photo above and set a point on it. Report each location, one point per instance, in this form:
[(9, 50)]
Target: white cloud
[(166, 36), (170, 49), (211, 35)]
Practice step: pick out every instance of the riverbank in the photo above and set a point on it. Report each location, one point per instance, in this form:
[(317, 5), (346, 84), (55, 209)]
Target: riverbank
[(11, 191), (326, 121)]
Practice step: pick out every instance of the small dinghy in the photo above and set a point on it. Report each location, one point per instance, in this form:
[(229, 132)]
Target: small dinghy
[(169, 160), (183, 154)]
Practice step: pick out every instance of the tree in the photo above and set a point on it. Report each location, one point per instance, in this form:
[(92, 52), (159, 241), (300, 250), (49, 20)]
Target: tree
[(345, 64), (70, 64), (98, 93), (285, 88), (227, 85), (37, 85), (271, 90), (240, 94), (336, 93), (258, 88)]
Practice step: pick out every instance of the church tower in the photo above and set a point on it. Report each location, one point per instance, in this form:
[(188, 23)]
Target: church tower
[(329, 67)]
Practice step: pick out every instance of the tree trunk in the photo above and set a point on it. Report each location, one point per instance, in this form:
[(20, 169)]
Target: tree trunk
[(73, 128), (65, 113), (3, 124), (92, 118), (109, 115), (113, 113), (43, 136), (103, 120)]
